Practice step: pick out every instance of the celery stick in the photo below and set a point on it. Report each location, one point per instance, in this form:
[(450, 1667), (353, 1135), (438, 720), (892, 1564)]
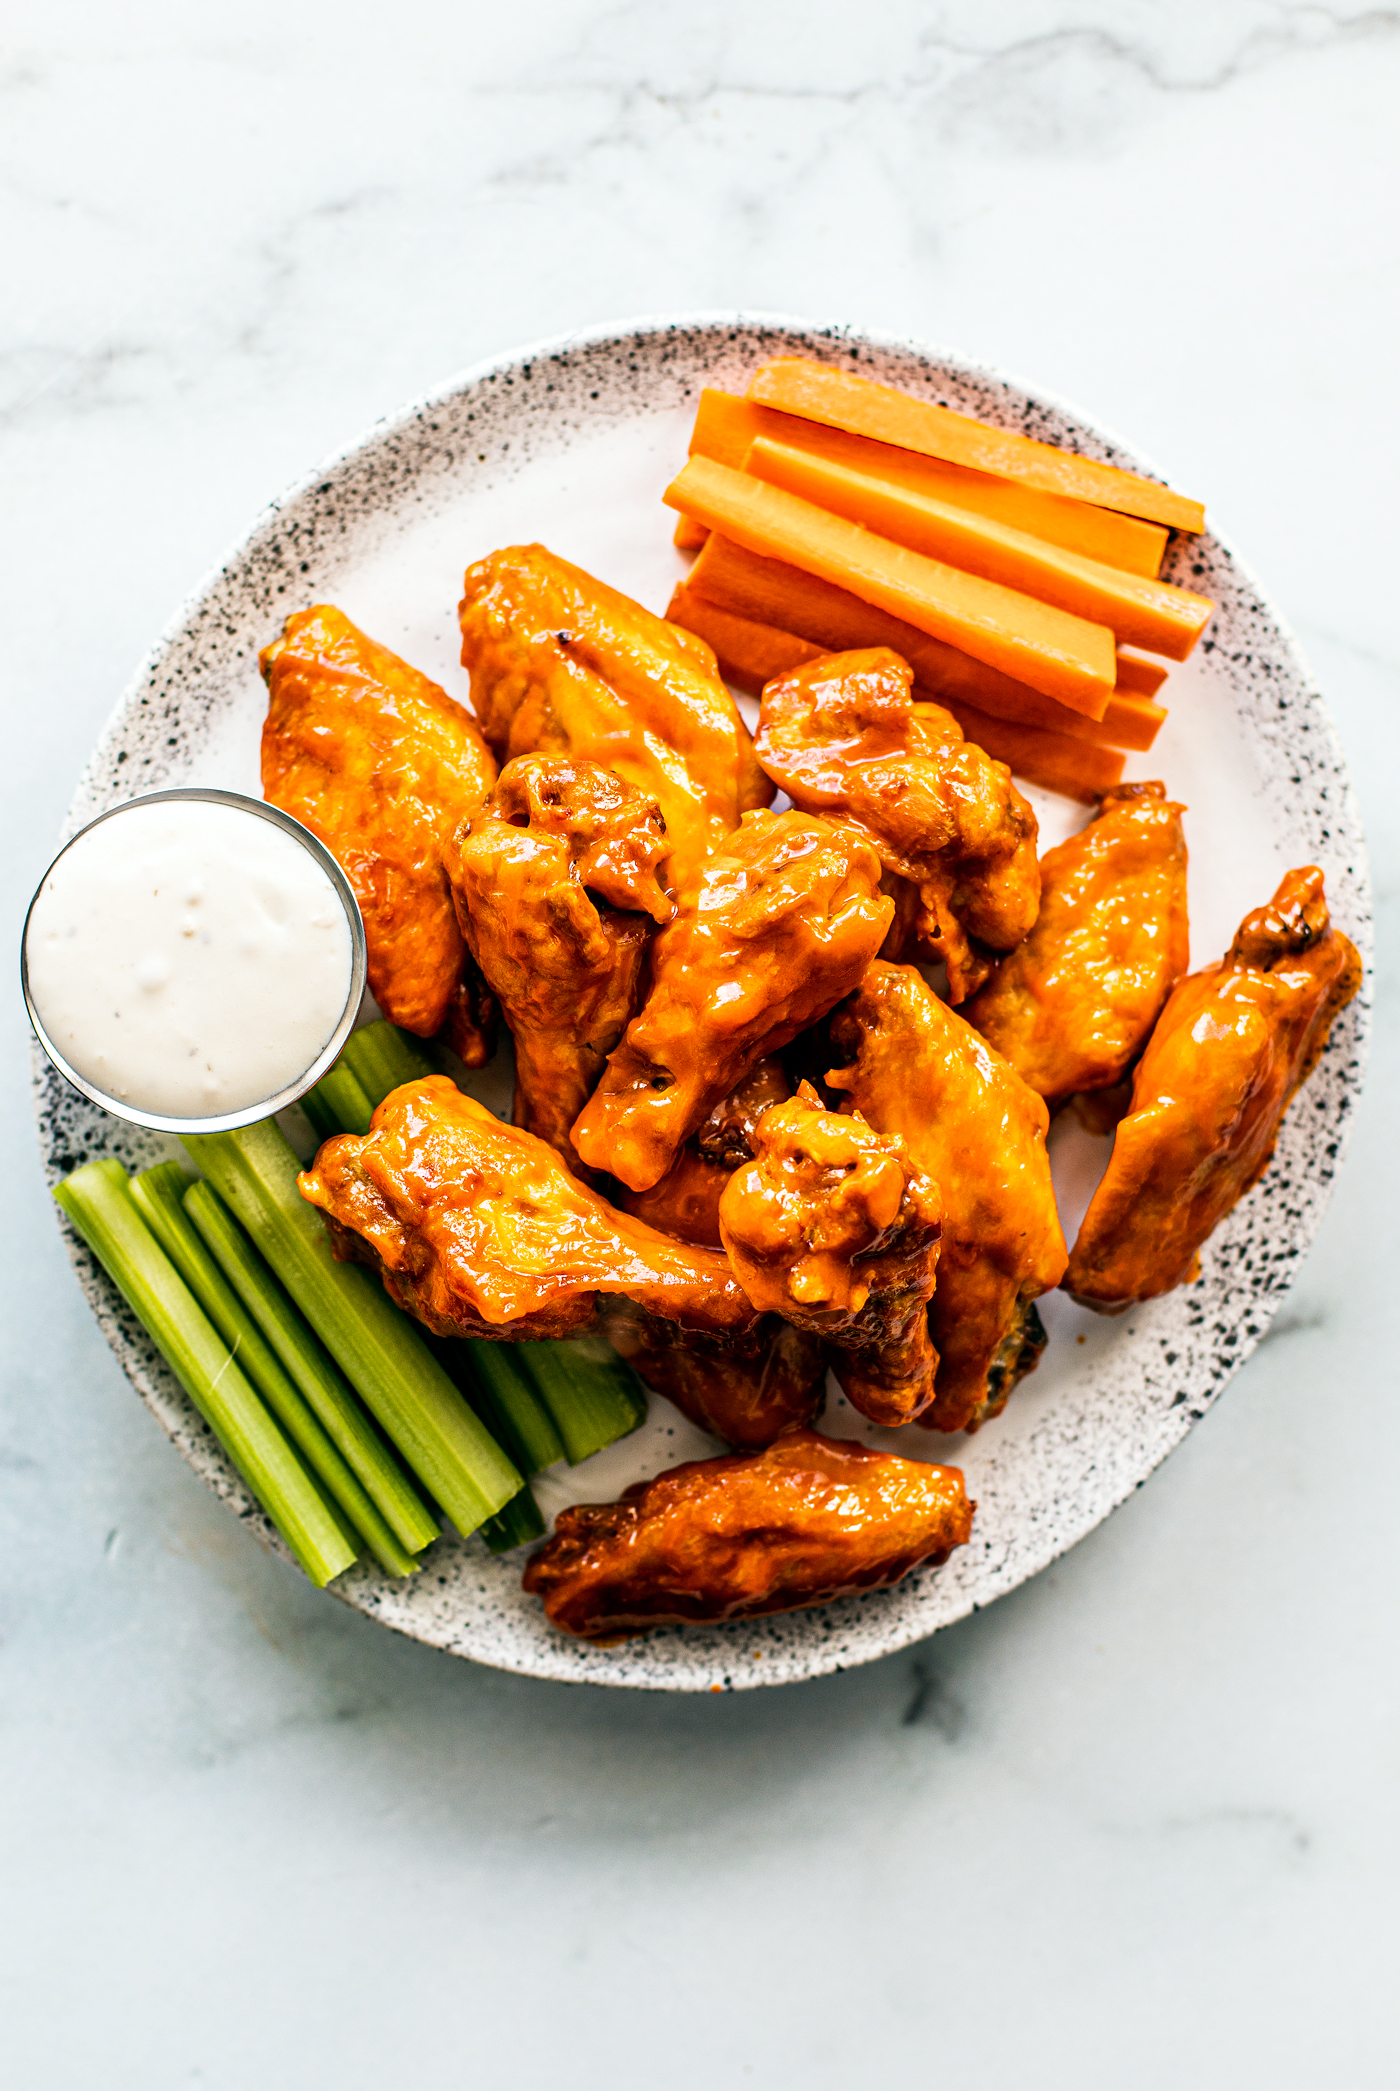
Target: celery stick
[(381, 1056), (503, 1395), (324, 1122), (592, 1394), (336, 1407), (377, 1347), (340, 1098), (98, 1201), (514, 1526), (158, 1192)]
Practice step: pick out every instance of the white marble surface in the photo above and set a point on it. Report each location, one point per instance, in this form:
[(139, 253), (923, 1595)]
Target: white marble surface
[(1135, 1825)]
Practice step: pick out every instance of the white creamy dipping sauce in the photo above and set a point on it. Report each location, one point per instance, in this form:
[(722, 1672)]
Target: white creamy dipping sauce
[(188, 959)]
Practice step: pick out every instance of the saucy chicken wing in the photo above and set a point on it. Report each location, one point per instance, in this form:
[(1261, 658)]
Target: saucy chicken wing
[(480, 1230), (746, 1388), (843, 736), (1072, 1007), (775, 929), (1230, 1051), (564, 665), (832, 1226), (555, 883), (382, 765), (809, 1519), (912, 1066)]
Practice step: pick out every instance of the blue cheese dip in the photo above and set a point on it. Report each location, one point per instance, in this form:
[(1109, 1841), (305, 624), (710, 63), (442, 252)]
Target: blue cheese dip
[(188, 959)]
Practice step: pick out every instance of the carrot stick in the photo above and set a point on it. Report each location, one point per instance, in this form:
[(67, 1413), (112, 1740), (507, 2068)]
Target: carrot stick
[(725, 427), (689, 535), (749, 654), (1058, 654), (767, 593), (1147, 613), (1077, 768), (819, 393), (1144, 678)]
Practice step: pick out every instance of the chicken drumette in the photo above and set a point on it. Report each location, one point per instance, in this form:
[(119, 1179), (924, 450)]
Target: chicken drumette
[(843, 736), (912, 1066), (831, 1226), (382, 765), (564, 665), (776, 928), (1072, 1007), (480, 1230), (1231, 1049), (810, 1519), (555, 880)]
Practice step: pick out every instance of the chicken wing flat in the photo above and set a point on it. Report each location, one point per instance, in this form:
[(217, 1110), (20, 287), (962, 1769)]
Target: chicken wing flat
[(775, 929), (843, 736), (833, 1227), (564, 665), (1231, 1049), (746, 1388), (912, 1066), (480, 1230), (555, 883), (382, 765), (809, 1519), (686, 1200), (1072, 1007)]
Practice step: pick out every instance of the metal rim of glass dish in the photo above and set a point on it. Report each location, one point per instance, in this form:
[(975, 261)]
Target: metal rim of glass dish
[(251, 1114)]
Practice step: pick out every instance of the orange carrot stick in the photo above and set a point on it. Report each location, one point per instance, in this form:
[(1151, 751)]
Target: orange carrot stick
[(1077, 768), (725, 427), (689, 535), (1146, 613), (767, 594), (1061, 655), (819, 393), (1145, 678), (749, 654)]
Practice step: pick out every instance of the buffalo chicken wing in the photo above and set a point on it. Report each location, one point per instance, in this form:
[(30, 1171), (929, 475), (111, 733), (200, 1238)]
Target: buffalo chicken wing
[(1072, 1007), (833, 1227), (809, 1519), (1230, 1051), (843, 736), (382, 765), (912, 1066), (480, 1230), (746, 1388), (776, 929)]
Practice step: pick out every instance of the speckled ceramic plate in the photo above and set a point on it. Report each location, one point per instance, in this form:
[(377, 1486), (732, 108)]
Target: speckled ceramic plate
[(572, 443)]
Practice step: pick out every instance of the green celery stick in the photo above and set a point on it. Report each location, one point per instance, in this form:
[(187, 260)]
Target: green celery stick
[(324, 1122), (336, 1407), (503, 1395), (381, 1056), (98, 1201), (158, 1192), (255, 1172), (592, 1394), (339, 1099), (514, 1526)]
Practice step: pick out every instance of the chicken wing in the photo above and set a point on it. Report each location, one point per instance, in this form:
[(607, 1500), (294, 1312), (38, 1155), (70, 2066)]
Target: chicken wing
[(562, 664), (555, 881), (833, 1227), (686, 1200), (1072, 1007), (480, 1230), (747, 1388), (809, 1519), (1230, 1051), (844, 736), (914, 1067), (382, 765), (776, 928)]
